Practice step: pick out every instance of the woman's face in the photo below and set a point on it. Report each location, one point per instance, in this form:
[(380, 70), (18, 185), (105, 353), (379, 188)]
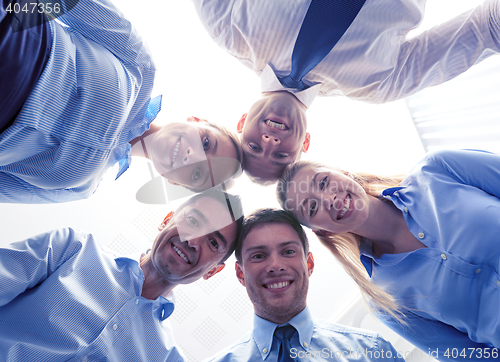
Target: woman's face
[(193, 154), (325, 199)]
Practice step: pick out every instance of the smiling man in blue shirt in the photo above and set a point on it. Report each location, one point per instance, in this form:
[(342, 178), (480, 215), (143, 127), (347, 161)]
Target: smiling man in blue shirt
[(274, 264), (65, 299)]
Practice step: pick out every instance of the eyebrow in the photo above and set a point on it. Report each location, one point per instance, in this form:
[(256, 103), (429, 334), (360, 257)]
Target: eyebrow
[(307, 199), (276, 163), (265, 247)]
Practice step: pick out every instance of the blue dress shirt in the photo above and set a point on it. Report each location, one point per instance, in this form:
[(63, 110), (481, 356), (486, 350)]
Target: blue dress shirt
[(64, 299), (450, 202), (92, 98), (316, 340)]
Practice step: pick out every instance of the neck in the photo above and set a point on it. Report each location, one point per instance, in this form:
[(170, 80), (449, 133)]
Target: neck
[(154, 285), (385, 227), (139, 143)]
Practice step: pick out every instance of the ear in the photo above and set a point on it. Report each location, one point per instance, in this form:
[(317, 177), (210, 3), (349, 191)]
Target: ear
[(241, 123), (195, 119), (239, 274), (166, 220), (310, 263), (307, 142), (214, 271)]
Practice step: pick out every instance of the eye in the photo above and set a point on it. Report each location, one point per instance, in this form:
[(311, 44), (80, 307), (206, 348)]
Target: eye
[(289, 252), (323, 183), (313, 205), (257, 256), (196, 174), (192, 221), (206, 144), (214, 244), (281, 155), (254, 147)]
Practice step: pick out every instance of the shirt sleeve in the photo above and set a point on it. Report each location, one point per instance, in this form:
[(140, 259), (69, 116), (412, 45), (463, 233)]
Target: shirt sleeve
[(102, 22), (25, 264), (15, 190), (445, 51), (475, 168), (440, 340)]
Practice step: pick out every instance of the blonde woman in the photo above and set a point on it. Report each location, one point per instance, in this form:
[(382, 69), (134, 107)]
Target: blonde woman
[(423, 249)]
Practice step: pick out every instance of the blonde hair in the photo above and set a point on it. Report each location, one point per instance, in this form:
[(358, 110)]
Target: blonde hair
[(346, 246)]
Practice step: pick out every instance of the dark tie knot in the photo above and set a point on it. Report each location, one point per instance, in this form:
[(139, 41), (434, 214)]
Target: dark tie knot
[(285, 332)]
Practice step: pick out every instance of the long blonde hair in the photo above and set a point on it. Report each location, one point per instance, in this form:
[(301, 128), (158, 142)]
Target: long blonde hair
[(346, 246)]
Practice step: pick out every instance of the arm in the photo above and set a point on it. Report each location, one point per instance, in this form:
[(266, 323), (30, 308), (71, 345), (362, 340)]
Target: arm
[(445, 51), (25, 264), (102, 22), (479, 169), (439, 339), (15, 190)]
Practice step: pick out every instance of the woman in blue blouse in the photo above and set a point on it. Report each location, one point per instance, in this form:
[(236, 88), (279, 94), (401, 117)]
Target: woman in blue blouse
[(74, 98), (423, 249)]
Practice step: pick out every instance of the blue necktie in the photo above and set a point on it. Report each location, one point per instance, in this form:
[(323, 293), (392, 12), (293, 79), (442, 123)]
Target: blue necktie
[(324, 24), (283, 334)]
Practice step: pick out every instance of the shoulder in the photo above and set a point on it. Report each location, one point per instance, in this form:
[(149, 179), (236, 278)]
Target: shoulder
[(215, 15), (234, 352)]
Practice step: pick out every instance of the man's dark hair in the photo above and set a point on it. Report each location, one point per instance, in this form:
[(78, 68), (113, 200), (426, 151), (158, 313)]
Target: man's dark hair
[(234, 206), (269, 216)]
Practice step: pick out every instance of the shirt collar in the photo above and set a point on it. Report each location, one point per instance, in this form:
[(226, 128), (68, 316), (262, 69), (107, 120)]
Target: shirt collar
[(263, 331), (270, 83)]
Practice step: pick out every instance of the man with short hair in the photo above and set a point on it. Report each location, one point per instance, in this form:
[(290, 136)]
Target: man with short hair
[(274, 264), (65, 299), (358, 49)]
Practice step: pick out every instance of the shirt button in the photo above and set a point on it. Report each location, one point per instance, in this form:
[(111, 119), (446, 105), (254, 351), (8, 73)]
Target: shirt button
[(477, 271), (264, 350), (444, 256), (498, 283), (406, 209), (305, 344), (421, 235), (388, 196), (115, 327), (136, 301)]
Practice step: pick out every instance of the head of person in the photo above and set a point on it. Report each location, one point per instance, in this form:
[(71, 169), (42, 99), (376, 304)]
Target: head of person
[(196, 239), (274, 264), (273, 135), (335, 204), (196, 154)]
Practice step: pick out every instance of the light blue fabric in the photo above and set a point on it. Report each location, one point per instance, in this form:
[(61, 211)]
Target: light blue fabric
[(92, 98), (450, 202), (64, 299), (316, 340)]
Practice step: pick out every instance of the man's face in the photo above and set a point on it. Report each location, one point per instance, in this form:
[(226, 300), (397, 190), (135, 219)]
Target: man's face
[(273, 134), (195, 242), (193, 154), (275, 270)]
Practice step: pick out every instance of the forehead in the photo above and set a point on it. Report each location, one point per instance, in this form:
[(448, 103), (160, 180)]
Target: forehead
[(270, 235), (212, 215)]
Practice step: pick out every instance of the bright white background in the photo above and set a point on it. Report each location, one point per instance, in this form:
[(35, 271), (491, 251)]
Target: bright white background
[(197, 78)]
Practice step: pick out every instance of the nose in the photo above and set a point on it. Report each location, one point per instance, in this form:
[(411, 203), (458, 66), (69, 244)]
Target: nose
[(194, 243), (272, 140), (329, 202), (275, 264), (191, 156)]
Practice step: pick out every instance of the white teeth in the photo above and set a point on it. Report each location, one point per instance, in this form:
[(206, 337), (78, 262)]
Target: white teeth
[(346, 207), (176, 150), (277, 285), (180, 253), (276, 125)]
